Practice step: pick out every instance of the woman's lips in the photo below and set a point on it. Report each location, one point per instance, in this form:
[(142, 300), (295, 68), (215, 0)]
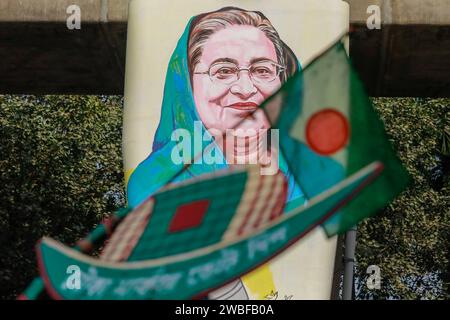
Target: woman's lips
[(244, 106), (245, 109)]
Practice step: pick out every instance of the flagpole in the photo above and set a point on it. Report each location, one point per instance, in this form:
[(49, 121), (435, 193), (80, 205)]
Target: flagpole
[(349, 264)]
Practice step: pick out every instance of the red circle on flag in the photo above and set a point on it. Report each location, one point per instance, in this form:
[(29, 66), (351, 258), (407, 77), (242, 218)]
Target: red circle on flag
[(327, 131)]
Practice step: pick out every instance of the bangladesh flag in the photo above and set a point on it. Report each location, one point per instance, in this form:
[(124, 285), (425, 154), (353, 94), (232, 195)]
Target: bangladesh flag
[(329, 130)]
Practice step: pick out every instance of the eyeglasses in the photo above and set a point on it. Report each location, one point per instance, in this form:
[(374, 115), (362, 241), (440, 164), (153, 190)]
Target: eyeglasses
[(262, 72)]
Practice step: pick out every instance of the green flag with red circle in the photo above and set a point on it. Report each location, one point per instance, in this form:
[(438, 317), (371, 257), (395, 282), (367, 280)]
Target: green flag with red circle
[(329, 130)]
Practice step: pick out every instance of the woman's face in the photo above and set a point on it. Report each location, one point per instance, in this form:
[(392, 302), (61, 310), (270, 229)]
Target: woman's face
[(223, 105)]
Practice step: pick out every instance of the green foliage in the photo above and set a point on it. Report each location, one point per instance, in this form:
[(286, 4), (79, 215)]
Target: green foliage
[(61, 173), (410, 239)]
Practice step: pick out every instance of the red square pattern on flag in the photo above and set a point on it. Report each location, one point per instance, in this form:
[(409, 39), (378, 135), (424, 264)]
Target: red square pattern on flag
[(188, 215)]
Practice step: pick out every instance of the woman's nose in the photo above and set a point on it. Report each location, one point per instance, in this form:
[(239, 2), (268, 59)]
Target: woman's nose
[(244, 86)]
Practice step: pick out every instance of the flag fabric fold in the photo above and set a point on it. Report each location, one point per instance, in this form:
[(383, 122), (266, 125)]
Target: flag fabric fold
[(329, 130)]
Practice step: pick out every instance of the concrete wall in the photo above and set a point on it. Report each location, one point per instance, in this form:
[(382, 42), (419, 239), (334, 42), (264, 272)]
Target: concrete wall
[(409, 56), (430, 12), (55, 10)]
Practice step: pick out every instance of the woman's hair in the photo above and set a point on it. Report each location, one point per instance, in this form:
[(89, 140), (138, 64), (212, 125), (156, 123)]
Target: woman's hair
[(207, 24)]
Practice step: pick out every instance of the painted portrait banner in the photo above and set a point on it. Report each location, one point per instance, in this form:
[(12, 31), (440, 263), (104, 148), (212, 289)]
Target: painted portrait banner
[(193, 69)]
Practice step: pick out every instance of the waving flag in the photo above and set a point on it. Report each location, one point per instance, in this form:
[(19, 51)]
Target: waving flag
[(190, 252), (329, 130)]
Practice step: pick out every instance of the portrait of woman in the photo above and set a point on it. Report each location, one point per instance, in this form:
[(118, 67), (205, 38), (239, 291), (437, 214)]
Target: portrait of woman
[(225, 65)]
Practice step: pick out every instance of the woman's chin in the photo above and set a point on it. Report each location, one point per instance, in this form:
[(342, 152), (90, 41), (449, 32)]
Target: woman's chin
[(252, 120), (246, 149), (248, 128)]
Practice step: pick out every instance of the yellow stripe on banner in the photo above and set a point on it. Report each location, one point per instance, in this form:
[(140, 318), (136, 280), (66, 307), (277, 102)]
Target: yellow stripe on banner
[(260, 282), (127, 176)]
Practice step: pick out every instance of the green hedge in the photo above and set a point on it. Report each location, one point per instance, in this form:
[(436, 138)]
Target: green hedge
[(60, 167), (410, 240)]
